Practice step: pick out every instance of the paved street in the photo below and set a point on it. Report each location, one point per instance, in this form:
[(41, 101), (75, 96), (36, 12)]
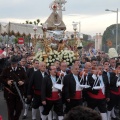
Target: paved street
[(3, 109)]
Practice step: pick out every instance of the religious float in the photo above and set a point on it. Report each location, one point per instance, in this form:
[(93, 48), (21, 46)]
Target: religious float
[(53, 44)]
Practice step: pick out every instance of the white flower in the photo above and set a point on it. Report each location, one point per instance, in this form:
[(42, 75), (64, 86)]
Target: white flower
[(40, 59), (67, 60), (74, 58), (71, 60), (70, 56), (53, 60), (51, 53), (50, 57), (51, 63), (57, 58), (47, 64), (50, 60), (65, 56), (67, 63)]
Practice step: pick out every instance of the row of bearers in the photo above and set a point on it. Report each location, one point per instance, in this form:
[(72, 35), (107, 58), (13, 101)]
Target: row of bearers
[(74, 89), (99, 90)]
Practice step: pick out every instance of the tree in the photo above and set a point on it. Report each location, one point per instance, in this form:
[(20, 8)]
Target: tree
[(30, 22), (15, 40), (85, 37), (27, 22), (35, 23), (109, 35), (38, 21)]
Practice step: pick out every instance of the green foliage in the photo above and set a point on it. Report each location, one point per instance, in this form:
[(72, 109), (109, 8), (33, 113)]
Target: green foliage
[(85, 37), (27, 21), (15, 40), (36, 22), (110, 34), (30, 22)]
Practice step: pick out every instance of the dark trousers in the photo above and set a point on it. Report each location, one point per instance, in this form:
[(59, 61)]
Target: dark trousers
[(58, 107), (100, 103), (36, 101), (14, 106), (114, 100), (73, 103)]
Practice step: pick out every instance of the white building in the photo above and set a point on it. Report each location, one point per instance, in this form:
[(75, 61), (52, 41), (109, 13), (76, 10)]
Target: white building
[(98, 41)]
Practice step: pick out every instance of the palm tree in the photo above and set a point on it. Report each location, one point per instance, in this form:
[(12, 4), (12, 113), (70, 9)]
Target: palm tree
[(30, 22), (35, 23), (27, 22), (38, 21)]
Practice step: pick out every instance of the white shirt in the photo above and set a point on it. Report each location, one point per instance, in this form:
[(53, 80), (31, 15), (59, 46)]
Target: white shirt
[(24, 68), (14, 69), (43, 74), (53, 78), (63, 72), (35, 69), (102, 84), (77, 82)]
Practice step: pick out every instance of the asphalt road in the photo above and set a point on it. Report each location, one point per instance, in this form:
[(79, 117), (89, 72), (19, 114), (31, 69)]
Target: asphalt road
[(3, 110)]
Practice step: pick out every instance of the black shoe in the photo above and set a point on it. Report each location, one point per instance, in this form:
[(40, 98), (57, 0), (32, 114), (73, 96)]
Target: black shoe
[(24, 116)]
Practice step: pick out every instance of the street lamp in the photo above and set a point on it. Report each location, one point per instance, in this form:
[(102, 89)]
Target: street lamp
[(75, 28), (35, 29), (116, 25), (78, 43)]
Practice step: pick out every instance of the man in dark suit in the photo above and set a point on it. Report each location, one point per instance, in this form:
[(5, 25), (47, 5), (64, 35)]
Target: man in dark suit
[(35, 85), (114, 91), (61, 73), (98, 93), (72, 90), (50, 94), (9, 75), (29, 73), (23, 64), (112, 62)]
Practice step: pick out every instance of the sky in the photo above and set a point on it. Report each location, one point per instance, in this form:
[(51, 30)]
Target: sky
[(90, 14)]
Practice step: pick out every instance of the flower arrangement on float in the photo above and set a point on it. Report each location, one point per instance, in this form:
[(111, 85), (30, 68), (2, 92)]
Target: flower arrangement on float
[(68, 56), (65, 55), (52, 57)]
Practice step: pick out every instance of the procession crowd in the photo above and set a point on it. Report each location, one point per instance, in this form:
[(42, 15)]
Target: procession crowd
[(89, 89)]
